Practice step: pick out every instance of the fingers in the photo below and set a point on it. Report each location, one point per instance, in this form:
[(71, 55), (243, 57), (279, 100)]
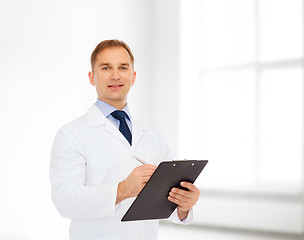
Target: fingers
[(180, 195), (193, 190), (147, 166), (190, 186), (185, 199), (144, 171), (142, 174), (145, 179), (182, 205), (147, 172), (137, 179)]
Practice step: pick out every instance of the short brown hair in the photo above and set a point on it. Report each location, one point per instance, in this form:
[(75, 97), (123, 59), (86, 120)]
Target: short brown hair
[(110, 44)]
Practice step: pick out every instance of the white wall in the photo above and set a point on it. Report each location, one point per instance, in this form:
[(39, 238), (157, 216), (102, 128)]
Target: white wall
[(167, 70), (45, 48)]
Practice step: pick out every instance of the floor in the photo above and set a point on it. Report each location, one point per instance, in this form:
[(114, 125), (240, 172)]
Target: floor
[(178, 232)]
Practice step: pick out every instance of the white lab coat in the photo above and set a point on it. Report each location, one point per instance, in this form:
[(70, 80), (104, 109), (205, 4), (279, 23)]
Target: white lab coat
[(89, 158)]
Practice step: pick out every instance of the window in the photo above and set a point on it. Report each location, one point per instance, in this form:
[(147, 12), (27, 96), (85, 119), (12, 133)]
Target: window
[(242, 92)]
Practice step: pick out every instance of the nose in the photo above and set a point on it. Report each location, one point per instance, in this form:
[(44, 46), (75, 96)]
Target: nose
[(115, 74)]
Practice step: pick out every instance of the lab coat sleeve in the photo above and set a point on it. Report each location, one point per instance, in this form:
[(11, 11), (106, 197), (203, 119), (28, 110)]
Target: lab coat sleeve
[(72, 198), (174, 217)]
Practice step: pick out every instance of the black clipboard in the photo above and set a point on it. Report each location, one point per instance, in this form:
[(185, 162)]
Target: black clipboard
[(152, 202)]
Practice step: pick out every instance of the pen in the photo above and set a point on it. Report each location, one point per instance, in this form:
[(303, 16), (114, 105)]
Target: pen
[(140, 160)]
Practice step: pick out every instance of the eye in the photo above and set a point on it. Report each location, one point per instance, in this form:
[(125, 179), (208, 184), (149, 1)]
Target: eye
[(123, 68), (105, 68)]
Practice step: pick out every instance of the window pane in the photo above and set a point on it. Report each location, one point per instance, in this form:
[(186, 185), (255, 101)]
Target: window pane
[(281, 123), (227, 134), (281, 29), (227, 32)]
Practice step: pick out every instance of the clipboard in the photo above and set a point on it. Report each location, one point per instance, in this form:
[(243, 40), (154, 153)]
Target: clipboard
[(152, 202)]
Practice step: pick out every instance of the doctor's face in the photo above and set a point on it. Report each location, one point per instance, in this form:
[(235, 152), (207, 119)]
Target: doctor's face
[(113, 76)]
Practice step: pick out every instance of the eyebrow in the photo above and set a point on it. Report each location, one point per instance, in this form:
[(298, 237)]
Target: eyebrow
[(107, 64), (104, 64)]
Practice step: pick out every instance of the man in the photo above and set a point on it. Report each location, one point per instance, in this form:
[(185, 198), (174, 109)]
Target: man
[(94, 172)]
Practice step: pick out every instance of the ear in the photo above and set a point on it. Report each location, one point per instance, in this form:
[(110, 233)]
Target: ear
[(91, 77), (133, 78)]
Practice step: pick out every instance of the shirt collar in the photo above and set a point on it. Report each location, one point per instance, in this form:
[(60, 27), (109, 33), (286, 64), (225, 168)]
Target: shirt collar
[(107, 109)]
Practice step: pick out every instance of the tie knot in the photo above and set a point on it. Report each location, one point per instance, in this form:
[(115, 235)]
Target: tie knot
[(119, 114)]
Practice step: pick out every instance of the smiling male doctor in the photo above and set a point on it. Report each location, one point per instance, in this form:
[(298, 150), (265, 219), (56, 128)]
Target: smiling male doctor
[(94, 174)]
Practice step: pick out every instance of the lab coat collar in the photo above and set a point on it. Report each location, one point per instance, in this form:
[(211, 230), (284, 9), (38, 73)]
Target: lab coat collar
[(137, 132), (97, 119)]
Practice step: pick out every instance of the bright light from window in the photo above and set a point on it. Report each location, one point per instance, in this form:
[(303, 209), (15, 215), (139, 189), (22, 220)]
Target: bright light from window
[(227, 32), (281, 123), (246, 110), (228, 126), (281, 28)]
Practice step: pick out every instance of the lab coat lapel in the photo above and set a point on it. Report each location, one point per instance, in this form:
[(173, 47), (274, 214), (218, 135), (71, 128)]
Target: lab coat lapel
[(97, 119), (137, 132)]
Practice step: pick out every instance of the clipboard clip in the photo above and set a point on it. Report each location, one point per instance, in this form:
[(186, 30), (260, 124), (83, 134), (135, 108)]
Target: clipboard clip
[(174, 164), (180, 160)]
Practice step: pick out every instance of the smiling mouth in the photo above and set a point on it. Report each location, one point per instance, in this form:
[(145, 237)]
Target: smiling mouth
[(115, 85)]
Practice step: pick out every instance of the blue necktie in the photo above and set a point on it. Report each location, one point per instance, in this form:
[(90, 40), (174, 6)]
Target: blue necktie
[(123, 127)]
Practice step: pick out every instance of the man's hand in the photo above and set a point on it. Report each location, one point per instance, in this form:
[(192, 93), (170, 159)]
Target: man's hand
[(184, 199), (135, 182)]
